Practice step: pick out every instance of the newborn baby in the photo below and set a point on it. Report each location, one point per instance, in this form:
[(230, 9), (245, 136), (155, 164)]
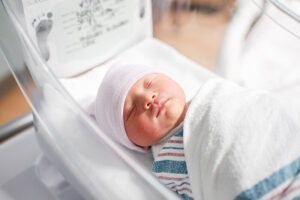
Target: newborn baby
[(142, 107), (239, 143)]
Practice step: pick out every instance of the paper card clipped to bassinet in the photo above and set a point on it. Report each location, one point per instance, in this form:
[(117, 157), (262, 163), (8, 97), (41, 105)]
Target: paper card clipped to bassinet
[(76, 35)]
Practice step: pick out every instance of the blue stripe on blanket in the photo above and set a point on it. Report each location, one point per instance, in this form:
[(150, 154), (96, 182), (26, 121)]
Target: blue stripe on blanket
[(179, 134), (185, 197), (171, 183), (183, 183), (296, 198), (170, 166), (270, 183), (176, 148)]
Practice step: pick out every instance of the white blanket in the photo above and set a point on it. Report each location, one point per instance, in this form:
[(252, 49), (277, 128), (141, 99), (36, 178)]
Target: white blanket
[(239, 143)]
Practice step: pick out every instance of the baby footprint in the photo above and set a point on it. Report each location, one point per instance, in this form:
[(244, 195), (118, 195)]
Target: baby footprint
[(43, 26)]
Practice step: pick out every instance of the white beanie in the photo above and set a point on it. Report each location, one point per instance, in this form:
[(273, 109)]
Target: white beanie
[(110, 100)]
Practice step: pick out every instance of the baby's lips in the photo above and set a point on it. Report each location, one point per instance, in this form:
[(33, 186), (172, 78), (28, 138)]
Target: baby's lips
[(161, 107), (155, 110)]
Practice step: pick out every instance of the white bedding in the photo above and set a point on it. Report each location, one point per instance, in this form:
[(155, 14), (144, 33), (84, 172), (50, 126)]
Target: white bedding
[(264, 54), (239, 143)]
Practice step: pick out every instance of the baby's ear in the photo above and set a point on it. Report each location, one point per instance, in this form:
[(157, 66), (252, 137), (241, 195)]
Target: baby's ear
[(146, 148)]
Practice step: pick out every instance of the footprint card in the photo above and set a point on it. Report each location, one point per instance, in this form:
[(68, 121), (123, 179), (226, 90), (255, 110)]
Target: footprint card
[(73, 36)]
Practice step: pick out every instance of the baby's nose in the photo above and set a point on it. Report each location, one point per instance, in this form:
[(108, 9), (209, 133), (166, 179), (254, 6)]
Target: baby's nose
[(150, 100)]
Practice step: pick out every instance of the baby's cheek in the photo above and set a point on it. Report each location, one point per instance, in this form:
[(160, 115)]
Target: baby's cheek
[(152, 131), (173, 112), (143, 124)]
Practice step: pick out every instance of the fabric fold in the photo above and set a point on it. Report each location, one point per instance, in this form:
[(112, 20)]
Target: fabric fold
[(234, 138)]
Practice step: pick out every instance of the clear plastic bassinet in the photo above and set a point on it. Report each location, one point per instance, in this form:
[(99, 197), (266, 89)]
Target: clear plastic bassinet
[(96, 166), (63, 126)]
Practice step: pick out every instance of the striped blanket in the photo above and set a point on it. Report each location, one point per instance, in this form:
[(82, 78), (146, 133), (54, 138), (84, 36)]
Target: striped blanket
[(240, 144), (169, 166)]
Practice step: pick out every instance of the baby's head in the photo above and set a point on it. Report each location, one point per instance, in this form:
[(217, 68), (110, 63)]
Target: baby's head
[(139, 105)]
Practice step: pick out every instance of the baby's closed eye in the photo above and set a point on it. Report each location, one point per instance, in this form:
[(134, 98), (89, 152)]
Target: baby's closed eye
[(148, 82)]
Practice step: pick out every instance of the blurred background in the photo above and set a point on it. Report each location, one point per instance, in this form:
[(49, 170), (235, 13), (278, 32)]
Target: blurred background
[(194, 27)]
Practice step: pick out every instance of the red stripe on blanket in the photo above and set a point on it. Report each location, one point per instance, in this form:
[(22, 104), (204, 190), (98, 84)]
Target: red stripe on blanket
[(175, 141), (171, 178), (186, 189), (181, 189), (171, 154), (285, 192)]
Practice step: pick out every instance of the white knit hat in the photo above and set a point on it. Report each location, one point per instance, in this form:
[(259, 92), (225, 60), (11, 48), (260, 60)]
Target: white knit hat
[(110, 100)]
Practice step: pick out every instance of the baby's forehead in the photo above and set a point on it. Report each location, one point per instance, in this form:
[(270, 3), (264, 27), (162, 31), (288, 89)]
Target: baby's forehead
[(147, 78)]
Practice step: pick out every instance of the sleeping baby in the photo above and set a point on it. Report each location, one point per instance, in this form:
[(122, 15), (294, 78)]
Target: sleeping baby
[(228, 143), (142, 107)]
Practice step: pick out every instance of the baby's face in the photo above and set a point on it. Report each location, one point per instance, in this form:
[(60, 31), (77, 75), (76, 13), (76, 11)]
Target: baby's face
[(154, 105)]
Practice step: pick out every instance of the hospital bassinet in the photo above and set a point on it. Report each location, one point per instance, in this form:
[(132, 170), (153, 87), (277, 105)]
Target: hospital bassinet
[(91, 162)]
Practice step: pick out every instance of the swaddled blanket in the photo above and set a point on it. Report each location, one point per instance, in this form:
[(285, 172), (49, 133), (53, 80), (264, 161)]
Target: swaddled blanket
[(239, 144)]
